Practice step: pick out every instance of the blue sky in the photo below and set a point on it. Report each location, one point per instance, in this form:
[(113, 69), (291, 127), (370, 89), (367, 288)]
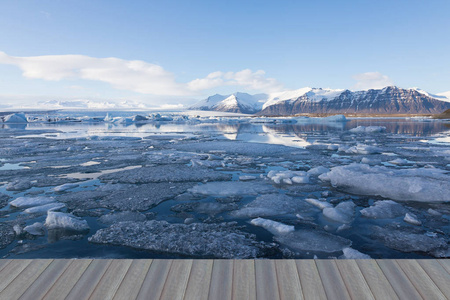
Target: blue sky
[(190, 49)]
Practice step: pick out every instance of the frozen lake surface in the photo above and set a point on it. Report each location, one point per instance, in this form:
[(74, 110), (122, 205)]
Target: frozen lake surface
[(181, 186)]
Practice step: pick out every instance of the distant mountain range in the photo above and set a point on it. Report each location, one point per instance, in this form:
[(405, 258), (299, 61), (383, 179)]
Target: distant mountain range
[(389, 100)]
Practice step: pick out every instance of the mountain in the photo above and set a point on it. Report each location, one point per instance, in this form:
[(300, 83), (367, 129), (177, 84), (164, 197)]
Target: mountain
[(389, 100), (238, 103)]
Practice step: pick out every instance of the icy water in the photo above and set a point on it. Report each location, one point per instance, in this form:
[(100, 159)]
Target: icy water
[(225, 188)]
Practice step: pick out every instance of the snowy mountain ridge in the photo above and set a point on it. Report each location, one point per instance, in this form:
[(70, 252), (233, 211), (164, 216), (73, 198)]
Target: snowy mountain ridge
[(390, 99)]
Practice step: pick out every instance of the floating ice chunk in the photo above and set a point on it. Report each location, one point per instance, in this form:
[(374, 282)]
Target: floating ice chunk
[(206, 163), (412, 219), (343, 212), (423, 185), (247, 177), (368, 129), (288, 177), (406, 241), (318, 170), (35, 229), (65, 187), (231, 188), (14, 118), (318, 203), (370, 161), (335, 118), (222, 240), (66, 221), (44, 208), (384, 209), (122, 217), (4, 200), (400, 161), (271, 205), (31, 201), (166, 173), (272, 226), (363, 149), (434, 212), (313, 240), (7, 235), (350, 253), (18, 185)]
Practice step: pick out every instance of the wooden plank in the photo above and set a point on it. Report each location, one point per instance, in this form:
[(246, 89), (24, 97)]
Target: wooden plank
[(199, 280), (420, 279), (437, 273), (310, 281), (68, 279), (221, 285), (266, 280), (46, 280), (331, 279), (26, 278), (111, 280), (244, 285), (354, 280), (153, 284), (398, 280), (177, 280), (377, 281), (3, 263), (131, 284), (10, 271), (445, 263), (288, 280), (89, 280)]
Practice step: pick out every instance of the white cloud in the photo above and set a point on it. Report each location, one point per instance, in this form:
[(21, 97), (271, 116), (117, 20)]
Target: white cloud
[(371, 80), (137, 76)]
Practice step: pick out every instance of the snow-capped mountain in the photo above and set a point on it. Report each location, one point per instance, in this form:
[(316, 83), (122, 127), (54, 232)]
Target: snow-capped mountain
[(389, 100), (237, 102)]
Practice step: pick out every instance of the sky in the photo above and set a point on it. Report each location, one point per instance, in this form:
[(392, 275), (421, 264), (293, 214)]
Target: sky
[(172, 53)]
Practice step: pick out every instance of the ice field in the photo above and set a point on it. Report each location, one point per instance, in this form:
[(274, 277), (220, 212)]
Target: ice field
[(192, 185)]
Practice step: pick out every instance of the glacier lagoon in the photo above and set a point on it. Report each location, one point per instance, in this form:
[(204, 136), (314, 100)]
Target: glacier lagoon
[(77, 184)]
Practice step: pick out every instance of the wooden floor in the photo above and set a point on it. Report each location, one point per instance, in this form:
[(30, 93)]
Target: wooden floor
[(224, 279)]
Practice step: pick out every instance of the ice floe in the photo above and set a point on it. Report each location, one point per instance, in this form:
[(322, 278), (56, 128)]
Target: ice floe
[(350, 253), (321, 204), (56, 220), (224, 240), (412, 219), (36, 228), (343, 212), (231, 188), (288, 177), (384, 209), (65, 187), (422, 184), (313, 240), (272, 226), (407, 240), (272, 205), (7, 235), (122, 217), (31, 201), (44, 208), (166, 173)]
